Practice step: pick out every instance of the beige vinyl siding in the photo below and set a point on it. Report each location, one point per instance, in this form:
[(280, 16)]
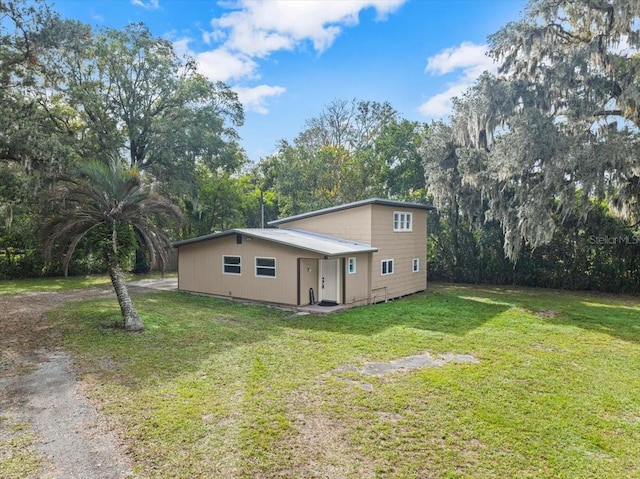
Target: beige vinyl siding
[(357, 284), (402, 247), (200, 270), (308, 279), (352, 223), (373, 224)]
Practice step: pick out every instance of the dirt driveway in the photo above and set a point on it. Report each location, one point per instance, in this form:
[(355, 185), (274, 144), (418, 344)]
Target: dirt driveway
[(39, 389)]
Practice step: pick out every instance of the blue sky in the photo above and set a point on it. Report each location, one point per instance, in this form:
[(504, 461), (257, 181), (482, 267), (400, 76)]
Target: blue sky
[(288, 59)]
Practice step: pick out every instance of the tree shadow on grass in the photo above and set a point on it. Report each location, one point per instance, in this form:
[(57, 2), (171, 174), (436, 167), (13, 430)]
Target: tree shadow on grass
[(619, 320), (185, 331), (435, 312), (612, 314), (182, 332)]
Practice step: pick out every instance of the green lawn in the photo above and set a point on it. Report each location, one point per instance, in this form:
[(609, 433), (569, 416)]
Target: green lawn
[(18, 286), (61, 284), (219, 389)]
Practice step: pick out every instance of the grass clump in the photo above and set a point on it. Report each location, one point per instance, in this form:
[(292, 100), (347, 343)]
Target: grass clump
[(18, 459)]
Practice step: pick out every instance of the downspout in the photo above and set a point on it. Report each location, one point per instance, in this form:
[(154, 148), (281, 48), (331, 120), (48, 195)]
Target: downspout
[(370, 277), (298, 281), (344, 280)]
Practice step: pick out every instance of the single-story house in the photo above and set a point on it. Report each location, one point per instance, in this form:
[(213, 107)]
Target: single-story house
[(353, 254)]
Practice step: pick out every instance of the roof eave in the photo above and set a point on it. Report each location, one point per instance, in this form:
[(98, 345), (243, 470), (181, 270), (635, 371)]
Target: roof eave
[(200, 239), (222, 234)]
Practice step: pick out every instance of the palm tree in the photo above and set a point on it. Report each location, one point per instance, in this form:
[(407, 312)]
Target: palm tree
[(110, 205)]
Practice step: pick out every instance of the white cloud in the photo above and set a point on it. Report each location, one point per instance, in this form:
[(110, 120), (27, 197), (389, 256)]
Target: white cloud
[(208, 37), (260, 27), (181, 47), (223, 65), (439, 105), (148, 5), (253, 98), (469, 61), (468, 56), (254, 29)]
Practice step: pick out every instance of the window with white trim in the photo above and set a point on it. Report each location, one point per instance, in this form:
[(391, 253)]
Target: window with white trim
[(351, 265), (402, 221), (416, 265), (232, 265), (266, 267), (386, 266)]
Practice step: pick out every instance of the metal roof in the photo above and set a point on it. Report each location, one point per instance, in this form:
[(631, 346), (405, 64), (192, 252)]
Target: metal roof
[(355, 204), (305, 240)]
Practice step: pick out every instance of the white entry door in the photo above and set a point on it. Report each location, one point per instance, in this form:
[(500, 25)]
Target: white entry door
[(329, 280)]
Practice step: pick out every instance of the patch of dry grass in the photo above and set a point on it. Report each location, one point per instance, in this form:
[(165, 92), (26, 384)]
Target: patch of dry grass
[(18, 457)]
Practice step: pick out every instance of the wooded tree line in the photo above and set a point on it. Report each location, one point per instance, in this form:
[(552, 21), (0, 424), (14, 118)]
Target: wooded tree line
[(535, 176)]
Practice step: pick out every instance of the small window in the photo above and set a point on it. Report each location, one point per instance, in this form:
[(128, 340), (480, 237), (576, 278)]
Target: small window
[(231, 265), (387, 266), (351, 268), (266, 267), (402, 221), (416, 265)]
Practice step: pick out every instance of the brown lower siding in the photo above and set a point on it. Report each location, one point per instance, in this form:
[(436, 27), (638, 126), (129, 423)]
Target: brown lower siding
[(364, 302), (381, 299), (242, 300), (401, 283)]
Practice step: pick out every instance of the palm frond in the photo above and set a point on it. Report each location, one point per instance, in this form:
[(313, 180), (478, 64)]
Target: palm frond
[(98, 194)]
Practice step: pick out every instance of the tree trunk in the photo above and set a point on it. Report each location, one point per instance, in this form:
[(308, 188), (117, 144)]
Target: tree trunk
[(142, 265), (132, 321)]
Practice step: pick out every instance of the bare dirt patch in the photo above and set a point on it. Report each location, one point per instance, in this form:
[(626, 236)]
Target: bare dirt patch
[(418, 361), (38, 388), (320, 446), (25, 334)]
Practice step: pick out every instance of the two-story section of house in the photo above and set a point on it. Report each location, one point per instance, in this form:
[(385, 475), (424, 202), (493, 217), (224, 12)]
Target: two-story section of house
[(398, 231), (353, 254)]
